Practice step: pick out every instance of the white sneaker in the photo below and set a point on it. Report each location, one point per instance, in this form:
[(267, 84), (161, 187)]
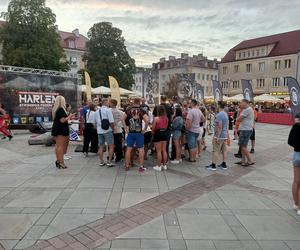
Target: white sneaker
[(175, 162), (157, 168), (298, 212), (85, 155), (295, 207), (165, 167)]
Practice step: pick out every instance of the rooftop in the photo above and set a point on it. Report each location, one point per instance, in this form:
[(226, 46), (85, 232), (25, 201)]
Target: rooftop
[(285, 44)]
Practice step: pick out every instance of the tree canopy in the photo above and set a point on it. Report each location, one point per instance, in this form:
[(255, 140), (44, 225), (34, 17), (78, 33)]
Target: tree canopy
[(29, 36), (107, 55)]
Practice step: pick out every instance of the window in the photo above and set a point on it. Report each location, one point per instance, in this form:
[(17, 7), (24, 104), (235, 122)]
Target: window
[(224, 85), (224, 70), (71, 44), (248, 68), (244, 54), (199, 76), (263, 51), (207, 89), (248, 53), (203, 77), (253, 53), (207, 77), (287, 63), (285, 83), (73, 60), (260, 83), (235, 84), (236, 68), (240, 55), (277, 64), (261, 67), (276, 82), (211, 77), (257, 52), (216, 77)]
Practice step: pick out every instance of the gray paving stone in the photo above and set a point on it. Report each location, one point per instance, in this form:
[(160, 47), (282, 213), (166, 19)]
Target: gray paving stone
[(24, 244), (173, 232), (8, 244), (199, 244), (126, 243), (273, 245), (294, 245), (131, 198), (35, 232), (154, 244), (177, 244), (228, 244), (45, 219), (33, 210)]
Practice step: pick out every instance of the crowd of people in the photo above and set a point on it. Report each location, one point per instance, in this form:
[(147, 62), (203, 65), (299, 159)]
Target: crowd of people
[(171, 131)]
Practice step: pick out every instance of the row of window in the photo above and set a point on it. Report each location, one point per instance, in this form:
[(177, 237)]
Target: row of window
[(261, 66), (260, 83), (252, 53), (204, 76)]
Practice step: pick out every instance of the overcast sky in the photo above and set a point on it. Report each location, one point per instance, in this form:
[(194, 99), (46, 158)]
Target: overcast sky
[(155, 29)]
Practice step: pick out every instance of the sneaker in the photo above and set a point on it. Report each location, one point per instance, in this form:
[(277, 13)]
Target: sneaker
[(157, 168), (85, 155), (142, 169), (295, 207), (165, 167), (110, 165), (102, 164), (211, 167), (252, 151), (223, 166), (175, 162), (66, 157), (298, 212)]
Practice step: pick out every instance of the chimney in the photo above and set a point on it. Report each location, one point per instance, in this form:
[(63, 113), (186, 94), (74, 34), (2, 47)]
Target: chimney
[(184, 55), (76, 32)]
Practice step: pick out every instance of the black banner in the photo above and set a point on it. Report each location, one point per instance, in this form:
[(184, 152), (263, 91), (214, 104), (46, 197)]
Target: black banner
[(199, 92), (294, 90), (185, 85), (28, 98), (247, 90), (218, 92)]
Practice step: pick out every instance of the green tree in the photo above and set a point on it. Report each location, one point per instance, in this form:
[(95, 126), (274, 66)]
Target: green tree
[(29, 36), (107, 55)]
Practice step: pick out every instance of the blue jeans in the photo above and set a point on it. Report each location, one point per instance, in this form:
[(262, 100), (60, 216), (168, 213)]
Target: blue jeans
[(107, 137), (192, 138)]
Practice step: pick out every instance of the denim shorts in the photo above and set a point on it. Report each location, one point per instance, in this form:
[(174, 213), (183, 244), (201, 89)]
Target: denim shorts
[(107, 137), (192, 139), (244, 137), (135, 140), (176, 134), (296, 159)]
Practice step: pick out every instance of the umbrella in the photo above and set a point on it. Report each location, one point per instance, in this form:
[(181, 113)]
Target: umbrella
[(235, 98), (267, 98), (101, 91)]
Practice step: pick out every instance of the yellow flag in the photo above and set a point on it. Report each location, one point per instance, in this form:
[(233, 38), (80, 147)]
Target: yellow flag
[(88, 85), (115, 90)]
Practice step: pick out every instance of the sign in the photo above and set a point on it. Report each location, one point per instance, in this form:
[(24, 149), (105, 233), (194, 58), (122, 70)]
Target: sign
[(247, 90), (294, 91), (185, 85), (115, 90), (199, 92), (218, 92), (28, 98)]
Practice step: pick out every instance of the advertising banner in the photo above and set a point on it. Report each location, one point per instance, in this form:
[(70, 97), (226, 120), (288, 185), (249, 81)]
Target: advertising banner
[(28, 98), (115, 89), (247, 90), (199, 92), (218, 92), (294, 91), (88, 85), (185, 85), (152, 90)]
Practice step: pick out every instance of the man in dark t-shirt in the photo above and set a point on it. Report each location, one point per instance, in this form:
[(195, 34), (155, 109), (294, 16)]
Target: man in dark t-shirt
[(170, 113), (134, 117)]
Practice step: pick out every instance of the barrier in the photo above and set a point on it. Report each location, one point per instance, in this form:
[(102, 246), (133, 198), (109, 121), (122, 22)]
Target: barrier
[(275, 118)]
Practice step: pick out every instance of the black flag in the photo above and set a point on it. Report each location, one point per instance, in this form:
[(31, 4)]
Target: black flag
[(199, 92), (247, 90), (294, 90), (218, 92)]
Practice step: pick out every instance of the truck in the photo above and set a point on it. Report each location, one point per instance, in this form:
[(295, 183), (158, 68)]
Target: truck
[(28, 94)]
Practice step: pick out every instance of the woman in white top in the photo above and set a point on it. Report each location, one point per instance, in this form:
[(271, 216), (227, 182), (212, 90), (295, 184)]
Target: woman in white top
[(90, 132)]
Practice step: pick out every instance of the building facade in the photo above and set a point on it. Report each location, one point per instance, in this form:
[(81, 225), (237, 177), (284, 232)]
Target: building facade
[(265, 61), (141, 79), (205, 70)]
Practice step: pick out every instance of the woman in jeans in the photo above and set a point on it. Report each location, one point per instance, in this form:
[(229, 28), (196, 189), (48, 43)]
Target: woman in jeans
[(294, 142), (160, 137), (177, 126)]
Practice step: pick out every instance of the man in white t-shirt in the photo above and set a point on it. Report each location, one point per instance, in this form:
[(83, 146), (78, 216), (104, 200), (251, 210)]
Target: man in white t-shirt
[(104, 122)]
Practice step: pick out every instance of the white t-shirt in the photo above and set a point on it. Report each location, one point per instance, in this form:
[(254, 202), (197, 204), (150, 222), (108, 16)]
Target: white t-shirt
[(106, 113), (90, 116)]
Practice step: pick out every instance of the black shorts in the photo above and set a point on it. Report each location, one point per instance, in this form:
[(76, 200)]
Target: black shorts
[(252, 138), (148, 137), (160, 136)]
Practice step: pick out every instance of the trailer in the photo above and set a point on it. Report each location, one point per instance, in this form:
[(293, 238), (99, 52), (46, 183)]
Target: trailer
[(28, 94)]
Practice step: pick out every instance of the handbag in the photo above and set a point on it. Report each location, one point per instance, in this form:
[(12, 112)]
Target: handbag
[(104, 122)]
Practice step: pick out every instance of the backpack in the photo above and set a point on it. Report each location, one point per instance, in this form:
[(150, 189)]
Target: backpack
[(104, 122), (135, 124)]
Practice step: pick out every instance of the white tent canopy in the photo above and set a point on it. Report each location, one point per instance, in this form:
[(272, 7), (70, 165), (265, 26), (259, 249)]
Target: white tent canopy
[(210, 97), (236, 98), (83, 88), (101, 91), (267, 98)]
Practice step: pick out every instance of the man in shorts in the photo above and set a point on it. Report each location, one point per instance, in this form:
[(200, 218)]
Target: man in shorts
[(220, 138), (246, 120), (105, 135), (134, 118)]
